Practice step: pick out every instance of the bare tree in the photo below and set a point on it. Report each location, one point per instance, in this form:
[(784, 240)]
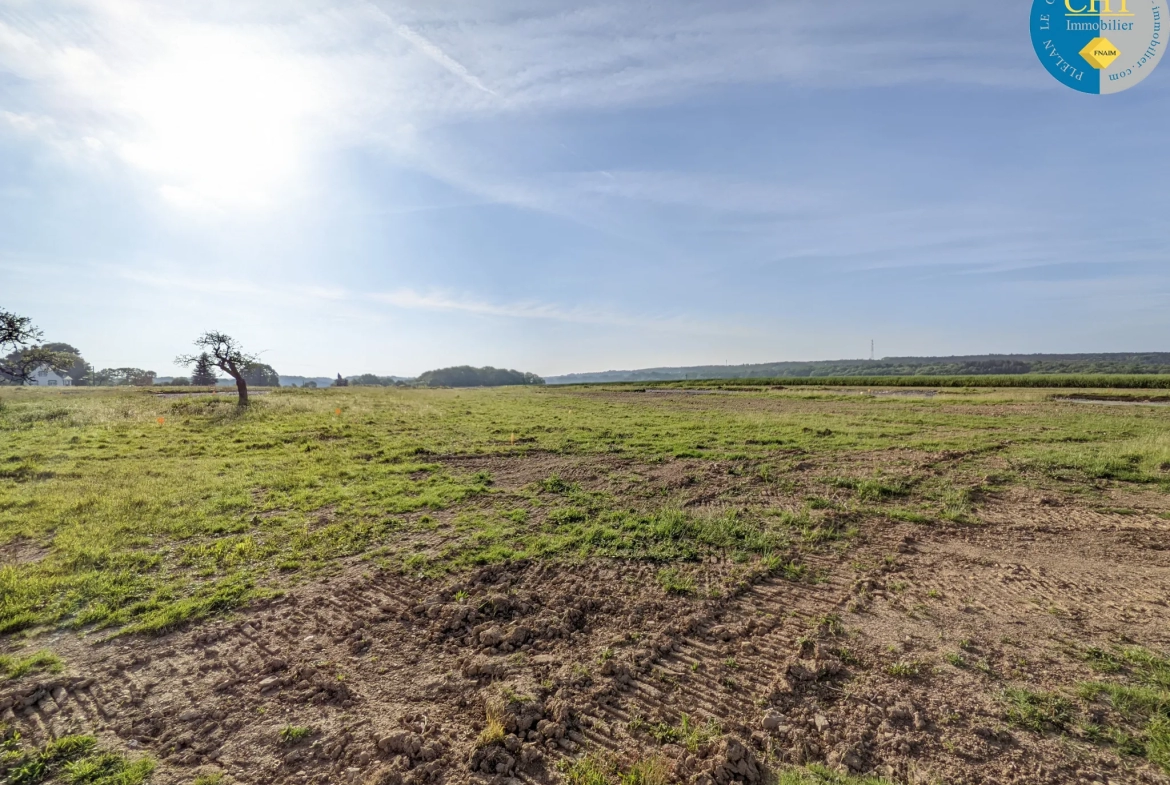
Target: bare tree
[(227, 355), (18, 334)]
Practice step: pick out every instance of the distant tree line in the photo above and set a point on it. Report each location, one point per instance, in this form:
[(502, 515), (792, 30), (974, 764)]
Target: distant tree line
[(466, 376), (371, 380), (975, 365), (217, 352), (461, 376), (120, 377)]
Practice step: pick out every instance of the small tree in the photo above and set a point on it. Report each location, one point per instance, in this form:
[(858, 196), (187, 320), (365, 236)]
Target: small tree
[(19, 334), (227, 355), (204, 374)]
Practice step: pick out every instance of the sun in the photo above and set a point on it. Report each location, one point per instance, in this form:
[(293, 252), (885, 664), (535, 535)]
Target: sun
[(222, 120)]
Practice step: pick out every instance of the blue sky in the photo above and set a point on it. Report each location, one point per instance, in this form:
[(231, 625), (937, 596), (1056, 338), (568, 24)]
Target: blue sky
[(559, 187)]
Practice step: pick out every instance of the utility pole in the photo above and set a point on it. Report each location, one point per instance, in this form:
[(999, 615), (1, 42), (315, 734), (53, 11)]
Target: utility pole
[(871, 355)]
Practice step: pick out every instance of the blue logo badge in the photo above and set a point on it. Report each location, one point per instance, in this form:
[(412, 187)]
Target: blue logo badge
[(1100, 46)]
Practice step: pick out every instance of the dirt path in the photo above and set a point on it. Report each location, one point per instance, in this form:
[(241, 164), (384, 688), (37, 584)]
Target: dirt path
[(892, 655)]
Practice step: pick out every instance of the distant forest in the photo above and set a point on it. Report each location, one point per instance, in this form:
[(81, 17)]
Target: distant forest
[(460, 376), (466, 376), (975, 365)]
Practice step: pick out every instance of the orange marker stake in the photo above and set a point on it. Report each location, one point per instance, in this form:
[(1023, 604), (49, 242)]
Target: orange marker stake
[(162, 420), (338, 412)]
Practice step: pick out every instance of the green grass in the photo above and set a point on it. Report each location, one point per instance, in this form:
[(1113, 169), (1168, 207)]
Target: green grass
[(495, 713), (108, 768), (908, 516), (675, 582), (76, 760), (786, 568), (1152, 668), (587, 771), (146, 526), (293, 734), (830, 625), (1039, 712), (909, 669), (1133, 703), (1101, 661), (1137, 459), (872, 489), (1136, 716), (37, 662), (651, 771), (957, 504), (686, 732), (1158, 742), (592, 770), (819, 775)]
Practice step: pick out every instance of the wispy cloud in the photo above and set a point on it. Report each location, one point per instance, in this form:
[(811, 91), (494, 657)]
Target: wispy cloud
[(301, 295), (406, 298), (606, 53), (428, 48), (579, 178), (227, 106)]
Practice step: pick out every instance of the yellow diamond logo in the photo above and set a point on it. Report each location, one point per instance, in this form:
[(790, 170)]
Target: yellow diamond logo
[(1100, 53)]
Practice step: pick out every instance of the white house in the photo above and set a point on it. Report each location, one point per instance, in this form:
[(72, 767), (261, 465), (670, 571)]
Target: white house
[(47, 377)]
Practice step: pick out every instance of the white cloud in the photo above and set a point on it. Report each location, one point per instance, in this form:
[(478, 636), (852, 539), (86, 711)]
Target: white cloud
[(605, 53), (313, 295), (225, 105), (406, 298), (48, 132)]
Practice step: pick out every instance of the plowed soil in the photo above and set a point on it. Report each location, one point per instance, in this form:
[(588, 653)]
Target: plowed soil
[(891, 656)]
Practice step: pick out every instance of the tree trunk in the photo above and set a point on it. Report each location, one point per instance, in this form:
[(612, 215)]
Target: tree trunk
[(242, 386)]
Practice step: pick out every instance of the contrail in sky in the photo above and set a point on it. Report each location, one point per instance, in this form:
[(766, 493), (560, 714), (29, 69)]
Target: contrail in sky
[(431, 50)]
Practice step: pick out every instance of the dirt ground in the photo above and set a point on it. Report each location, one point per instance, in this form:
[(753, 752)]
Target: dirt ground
[(509, 673)]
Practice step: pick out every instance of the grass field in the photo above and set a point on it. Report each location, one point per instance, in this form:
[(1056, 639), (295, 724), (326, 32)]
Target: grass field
[(149, 511), (125, 512)]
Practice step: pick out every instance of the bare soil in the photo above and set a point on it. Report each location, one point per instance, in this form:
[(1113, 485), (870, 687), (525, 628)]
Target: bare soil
[(22, 551), (395, 677)]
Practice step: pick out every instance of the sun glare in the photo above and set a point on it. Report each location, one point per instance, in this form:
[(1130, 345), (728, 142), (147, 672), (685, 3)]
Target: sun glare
[(223, 121)]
